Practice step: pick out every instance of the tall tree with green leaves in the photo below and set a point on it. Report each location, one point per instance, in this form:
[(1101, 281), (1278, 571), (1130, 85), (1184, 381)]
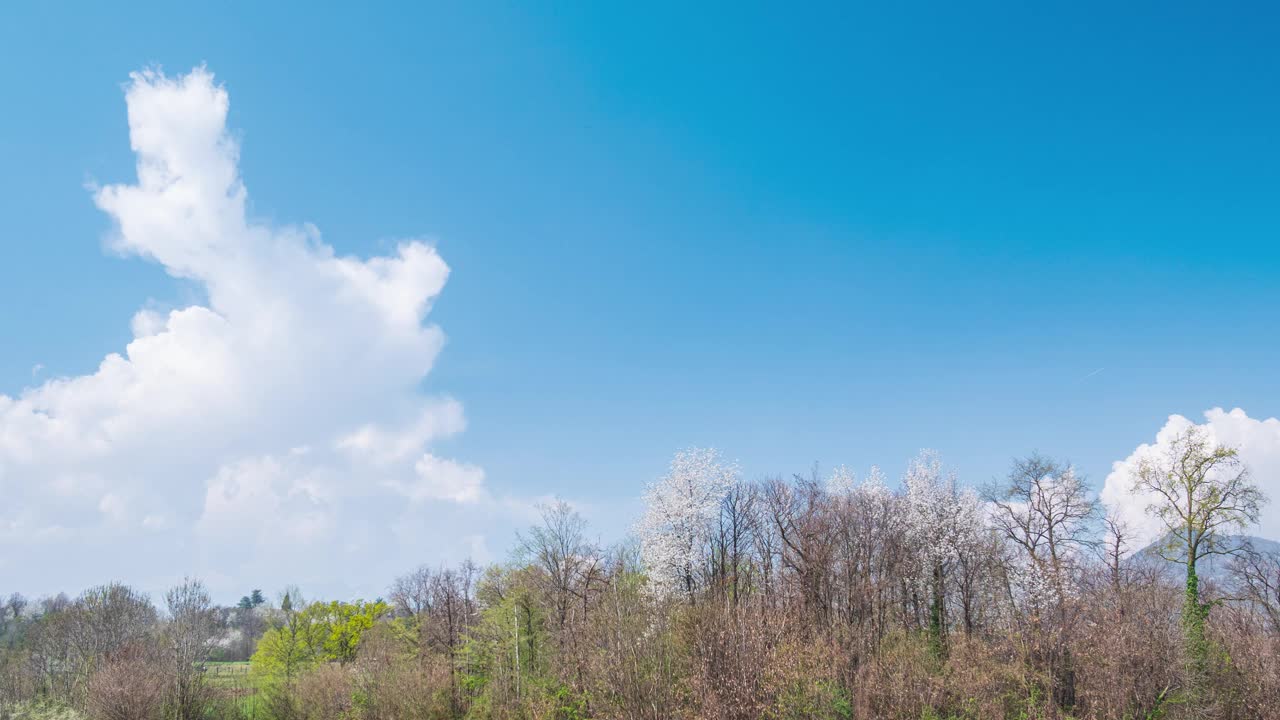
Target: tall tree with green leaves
[(318, 632), (341, 625), (1201, 492), (290, 645)]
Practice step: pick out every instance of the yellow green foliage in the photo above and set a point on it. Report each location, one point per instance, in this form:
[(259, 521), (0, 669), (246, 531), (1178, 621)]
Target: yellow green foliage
[(320, 632)]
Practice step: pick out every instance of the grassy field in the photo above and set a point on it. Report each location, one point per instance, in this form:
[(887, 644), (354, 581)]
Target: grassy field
[(227, 674), (233, 684), (38, 711)]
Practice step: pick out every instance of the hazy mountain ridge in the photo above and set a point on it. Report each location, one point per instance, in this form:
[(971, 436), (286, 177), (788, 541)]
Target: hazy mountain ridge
[(1214, 568)]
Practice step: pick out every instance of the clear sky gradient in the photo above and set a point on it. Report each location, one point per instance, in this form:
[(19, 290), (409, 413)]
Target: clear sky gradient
[(828, 233)]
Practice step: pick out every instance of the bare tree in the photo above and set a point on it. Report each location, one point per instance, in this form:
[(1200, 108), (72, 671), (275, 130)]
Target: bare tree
[(1115, 546), (801, 519), (110, 618), (411, 592), (731, 543), (1044, 509), (452, 613), (189, 636), (16, 605), (559, 548), (1257, 580), (868, 529), (51, 657)]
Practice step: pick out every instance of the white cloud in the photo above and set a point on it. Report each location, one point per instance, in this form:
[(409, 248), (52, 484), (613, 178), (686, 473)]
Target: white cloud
[(279, 424), (441, 479), (1257, 440)]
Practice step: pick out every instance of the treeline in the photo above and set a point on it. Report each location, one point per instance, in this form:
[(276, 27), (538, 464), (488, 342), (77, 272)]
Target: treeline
[(806, 597)]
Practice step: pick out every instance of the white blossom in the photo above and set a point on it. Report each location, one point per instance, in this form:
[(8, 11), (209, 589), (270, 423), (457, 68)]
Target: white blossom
[(942, 521), (680, 511), (842, 482)]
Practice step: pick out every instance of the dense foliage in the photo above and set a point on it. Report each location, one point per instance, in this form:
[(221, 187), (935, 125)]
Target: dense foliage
[(810, 597)]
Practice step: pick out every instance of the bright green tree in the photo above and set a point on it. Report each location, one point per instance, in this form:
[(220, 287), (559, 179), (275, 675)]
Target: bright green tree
[(289, 646), (319, 632), (341, 625)]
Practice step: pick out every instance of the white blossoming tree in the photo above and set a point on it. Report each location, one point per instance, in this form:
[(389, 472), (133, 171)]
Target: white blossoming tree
[(842, 482), (680, 513), (943, 523)]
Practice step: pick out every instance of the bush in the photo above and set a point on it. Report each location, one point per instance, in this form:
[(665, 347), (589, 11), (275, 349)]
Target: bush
[(325, 693), (131, 685), (1129, 655)]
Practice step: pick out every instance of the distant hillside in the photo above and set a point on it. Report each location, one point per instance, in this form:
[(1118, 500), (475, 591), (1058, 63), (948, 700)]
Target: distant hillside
[(1215, 568)]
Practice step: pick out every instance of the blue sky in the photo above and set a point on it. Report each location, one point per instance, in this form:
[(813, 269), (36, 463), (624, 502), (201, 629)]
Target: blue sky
[(834, 234)]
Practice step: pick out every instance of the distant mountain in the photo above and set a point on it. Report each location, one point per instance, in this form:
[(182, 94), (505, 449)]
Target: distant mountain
[(1215, 568)]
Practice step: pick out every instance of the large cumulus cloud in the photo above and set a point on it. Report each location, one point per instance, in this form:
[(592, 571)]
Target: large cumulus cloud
[(275, 429), (1258, 442)]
